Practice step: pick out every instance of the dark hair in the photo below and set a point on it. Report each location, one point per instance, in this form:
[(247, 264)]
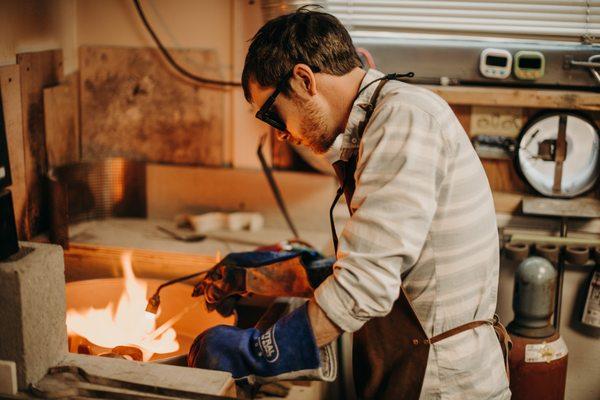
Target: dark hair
[(305, 36)]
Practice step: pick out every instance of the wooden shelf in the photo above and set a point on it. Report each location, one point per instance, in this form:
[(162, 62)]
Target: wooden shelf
[(507, 203), (512, 97)]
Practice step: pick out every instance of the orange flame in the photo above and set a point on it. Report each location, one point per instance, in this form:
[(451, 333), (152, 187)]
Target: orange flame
[(128, 325)]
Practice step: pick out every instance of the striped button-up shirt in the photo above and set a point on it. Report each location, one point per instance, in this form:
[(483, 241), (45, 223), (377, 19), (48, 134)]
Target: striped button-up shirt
[(423, 218)]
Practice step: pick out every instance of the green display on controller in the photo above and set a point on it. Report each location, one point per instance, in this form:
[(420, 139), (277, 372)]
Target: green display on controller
[(529, 65)]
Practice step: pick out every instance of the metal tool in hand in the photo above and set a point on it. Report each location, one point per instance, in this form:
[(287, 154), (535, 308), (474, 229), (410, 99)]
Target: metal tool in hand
[(154, 300), (289, 269)]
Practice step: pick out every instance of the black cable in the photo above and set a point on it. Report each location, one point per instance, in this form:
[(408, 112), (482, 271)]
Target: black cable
[(170, 58), (392, 76), (273, 185), (180, 279)]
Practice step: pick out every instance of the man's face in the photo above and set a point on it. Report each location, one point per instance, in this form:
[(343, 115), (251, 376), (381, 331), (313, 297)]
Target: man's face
[(305, 113)]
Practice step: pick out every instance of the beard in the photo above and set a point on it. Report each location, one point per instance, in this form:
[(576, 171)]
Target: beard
[(314, 130)]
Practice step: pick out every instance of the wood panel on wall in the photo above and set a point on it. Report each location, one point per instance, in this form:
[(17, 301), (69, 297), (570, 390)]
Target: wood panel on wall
[(463, 113), (10, 82), (134, 105), (38, 70), (60, 115), (501, 174)]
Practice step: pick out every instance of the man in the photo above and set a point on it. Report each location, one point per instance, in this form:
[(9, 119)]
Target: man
[(417, 262)]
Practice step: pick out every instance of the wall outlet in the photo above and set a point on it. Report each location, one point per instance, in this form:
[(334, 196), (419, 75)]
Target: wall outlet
[(496, 121)]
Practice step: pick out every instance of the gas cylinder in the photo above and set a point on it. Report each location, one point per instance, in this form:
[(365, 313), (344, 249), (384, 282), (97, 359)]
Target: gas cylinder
[(538, 358)]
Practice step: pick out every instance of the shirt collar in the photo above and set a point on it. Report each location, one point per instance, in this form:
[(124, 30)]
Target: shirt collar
[(344, 145)]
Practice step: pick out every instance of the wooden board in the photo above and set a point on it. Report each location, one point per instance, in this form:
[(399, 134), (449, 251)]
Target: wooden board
[(507, 203), (60, 116), (581, 207), (502, 176), (135, 106), (510, 97), (38, 70), (10, 80), (72, 80), (196, 380), (463, 113), (174, 190), (89, 261)]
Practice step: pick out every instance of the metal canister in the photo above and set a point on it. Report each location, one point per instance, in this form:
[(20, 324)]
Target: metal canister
[(538, 368), (538, 358)]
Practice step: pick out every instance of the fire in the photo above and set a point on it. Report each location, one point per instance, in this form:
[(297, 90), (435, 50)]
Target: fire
[(129, 324)]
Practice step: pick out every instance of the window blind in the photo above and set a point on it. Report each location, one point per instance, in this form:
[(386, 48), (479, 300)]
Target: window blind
[(552, 19)]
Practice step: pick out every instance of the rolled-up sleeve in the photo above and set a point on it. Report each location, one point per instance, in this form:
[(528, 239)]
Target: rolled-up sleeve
[(402, 163)]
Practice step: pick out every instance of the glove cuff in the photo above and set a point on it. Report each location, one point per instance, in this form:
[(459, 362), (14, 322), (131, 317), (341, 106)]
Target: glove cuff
[(290, 347)]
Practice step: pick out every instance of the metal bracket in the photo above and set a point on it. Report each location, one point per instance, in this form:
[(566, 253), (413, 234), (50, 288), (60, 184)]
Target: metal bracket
[(494, 147), (591, 63)]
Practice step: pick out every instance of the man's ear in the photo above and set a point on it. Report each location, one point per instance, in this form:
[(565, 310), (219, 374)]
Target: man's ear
[(303, 82)]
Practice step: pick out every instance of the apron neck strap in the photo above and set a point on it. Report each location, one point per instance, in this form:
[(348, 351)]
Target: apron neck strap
[(356, 135), (345, 169)]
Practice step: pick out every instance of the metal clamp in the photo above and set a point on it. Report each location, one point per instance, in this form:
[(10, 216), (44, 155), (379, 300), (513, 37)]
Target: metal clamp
[(591, 63)]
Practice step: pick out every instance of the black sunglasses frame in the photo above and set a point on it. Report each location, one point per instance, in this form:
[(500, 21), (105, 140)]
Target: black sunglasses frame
[(266, 115)]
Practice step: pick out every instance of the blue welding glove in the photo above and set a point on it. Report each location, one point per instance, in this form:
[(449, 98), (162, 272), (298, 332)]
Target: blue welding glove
[(287, 350)]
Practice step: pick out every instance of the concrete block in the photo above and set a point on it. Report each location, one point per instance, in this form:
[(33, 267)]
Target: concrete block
[(8, 377), (33, 332)]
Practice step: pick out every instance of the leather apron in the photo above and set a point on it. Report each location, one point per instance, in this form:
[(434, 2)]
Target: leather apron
[(390, 353)]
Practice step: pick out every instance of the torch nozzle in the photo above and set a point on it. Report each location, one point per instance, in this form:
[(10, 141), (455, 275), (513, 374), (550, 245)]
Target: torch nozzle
[(153, 303)]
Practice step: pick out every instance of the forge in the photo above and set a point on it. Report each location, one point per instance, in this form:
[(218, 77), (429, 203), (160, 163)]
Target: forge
[(107, 317), (35, 346)]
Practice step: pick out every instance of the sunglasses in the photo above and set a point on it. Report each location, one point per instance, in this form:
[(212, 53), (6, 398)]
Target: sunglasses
[(270, 116)]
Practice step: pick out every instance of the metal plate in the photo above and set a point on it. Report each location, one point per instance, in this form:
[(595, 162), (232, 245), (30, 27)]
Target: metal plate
[(114, 187), (460, 59)]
